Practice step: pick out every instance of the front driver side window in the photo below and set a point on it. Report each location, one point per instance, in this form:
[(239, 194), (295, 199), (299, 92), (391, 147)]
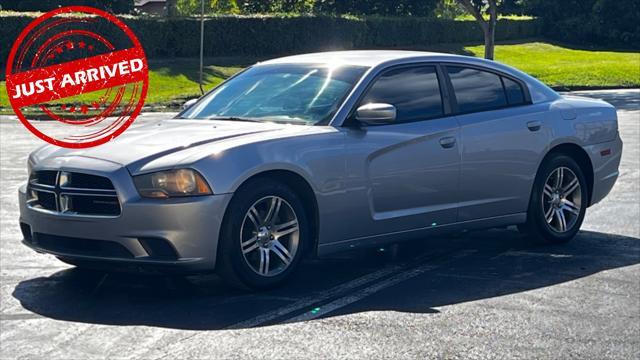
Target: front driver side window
[(414, 91)]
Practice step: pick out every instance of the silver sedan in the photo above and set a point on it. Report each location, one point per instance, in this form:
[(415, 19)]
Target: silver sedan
[(314, 154)]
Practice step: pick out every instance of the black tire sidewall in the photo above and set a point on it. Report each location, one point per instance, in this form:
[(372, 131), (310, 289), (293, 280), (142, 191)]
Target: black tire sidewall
[(233, 265), (537, 222)]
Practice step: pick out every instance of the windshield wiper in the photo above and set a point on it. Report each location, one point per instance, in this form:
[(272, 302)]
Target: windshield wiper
[(232, 118)]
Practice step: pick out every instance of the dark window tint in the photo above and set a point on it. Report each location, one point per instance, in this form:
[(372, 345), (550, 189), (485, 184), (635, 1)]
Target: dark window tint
[(414, 92), (476, 90), (515, 96)]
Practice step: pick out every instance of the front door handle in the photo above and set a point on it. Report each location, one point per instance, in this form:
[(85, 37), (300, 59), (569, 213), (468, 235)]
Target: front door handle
[(447, 142), (534, 125)]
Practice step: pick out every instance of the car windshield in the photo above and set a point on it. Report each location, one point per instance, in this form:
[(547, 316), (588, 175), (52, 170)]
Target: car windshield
[(290, 93)]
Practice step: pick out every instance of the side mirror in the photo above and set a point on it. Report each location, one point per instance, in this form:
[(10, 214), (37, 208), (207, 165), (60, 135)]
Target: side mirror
[(376, 113), (189, 103)]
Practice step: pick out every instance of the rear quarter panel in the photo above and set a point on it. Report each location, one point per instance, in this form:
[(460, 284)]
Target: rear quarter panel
[(593, 125), (583, 121)]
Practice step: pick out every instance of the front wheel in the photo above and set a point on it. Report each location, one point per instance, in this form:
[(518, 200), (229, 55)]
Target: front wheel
[(263, 235), (558, 201)]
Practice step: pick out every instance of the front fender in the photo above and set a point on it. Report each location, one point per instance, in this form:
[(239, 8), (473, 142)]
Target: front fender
[(318, 158)]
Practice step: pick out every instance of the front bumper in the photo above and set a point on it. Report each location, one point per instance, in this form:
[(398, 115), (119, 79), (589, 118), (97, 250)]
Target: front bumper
[(173, 234)]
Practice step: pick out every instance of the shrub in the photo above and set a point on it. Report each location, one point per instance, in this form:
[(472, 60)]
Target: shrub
[(593, 22), (420, 8), (263, 36)]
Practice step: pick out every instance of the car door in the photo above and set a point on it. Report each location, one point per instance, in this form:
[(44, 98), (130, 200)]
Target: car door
[(403, 175), (502, 139)]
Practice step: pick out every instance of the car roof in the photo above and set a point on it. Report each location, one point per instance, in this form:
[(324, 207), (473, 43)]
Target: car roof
[(367, 58), (383, 58)]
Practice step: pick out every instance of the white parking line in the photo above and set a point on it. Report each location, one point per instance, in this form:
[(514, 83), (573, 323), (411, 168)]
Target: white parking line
[(310, 300), (372, 289), (346, 287)]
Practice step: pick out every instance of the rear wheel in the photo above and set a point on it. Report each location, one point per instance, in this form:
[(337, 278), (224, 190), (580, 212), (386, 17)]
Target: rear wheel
[(558, 201), (263, 235)]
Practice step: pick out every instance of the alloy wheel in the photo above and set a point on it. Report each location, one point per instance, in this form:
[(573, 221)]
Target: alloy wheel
[(562, 199), (269, 236)]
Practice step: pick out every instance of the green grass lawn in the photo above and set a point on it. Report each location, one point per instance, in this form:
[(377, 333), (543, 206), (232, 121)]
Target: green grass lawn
[(561, 67), (178, 79), (500, 17), (173, 81)]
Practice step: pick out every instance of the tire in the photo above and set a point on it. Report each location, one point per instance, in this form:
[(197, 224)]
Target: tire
[(551, 208), (247, 241)]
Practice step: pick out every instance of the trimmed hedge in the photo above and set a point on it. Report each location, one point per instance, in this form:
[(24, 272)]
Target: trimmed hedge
[(584, 29), (607, 23), (277, 35)]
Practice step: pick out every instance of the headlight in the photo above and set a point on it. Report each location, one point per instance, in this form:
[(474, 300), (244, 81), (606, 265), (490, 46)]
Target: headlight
[(171, 183)]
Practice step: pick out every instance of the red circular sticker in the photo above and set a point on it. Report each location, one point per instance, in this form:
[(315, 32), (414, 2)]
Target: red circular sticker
[(82, 68)]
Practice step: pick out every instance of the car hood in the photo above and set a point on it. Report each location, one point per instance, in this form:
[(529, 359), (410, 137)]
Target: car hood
[(144, 143)]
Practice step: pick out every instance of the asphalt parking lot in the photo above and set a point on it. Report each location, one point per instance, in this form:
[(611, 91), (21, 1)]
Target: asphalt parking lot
[(482, 294)]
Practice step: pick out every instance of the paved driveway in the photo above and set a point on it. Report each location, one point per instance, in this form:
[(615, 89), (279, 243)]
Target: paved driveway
[(484, 294)]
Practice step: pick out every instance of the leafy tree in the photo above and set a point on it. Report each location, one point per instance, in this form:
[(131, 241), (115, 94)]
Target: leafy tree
[(192, 7), (223, 6), (276, 6), (255, 7), (338, 7), (478, 9), (618, 19), (377, 7), (512, 7), (556, 9), (114, 6), (449, 9)]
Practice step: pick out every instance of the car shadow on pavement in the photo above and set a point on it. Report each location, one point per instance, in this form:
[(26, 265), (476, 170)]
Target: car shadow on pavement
[(422, 275)]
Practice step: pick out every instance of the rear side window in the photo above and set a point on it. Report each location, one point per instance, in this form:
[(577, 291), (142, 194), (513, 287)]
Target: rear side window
[(515, 95), (476, 90), (414, 91)]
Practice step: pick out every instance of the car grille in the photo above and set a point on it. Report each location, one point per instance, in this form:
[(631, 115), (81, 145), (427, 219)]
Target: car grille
[(78, 246), (72, 193)]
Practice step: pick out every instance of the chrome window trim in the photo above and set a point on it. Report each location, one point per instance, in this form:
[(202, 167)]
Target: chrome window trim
[(343, 112)]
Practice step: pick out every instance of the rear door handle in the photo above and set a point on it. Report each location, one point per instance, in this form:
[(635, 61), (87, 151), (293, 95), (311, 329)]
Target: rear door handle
[(447, 142), (534, 125)]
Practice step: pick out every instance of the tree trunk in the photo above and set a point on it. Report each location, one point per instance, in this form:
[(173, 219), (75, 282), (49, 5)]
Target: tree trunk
[(490, 35), (172, 8), (488, 26), (489, 42)]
